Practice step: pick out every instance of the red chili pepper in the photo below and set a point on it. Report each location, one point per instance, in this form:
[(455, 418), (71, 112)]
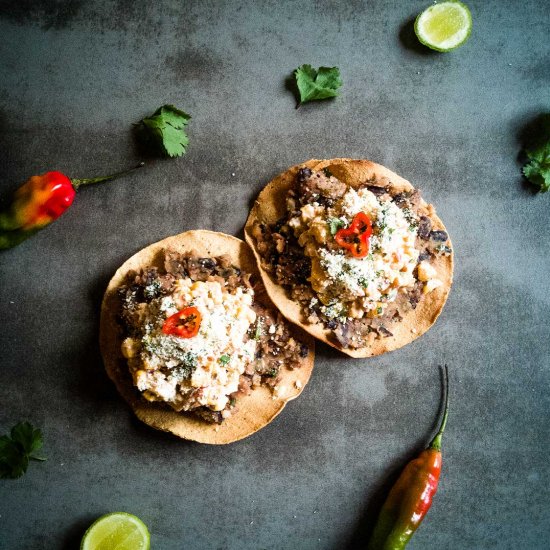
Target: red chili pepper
[(411, 497), (39, 202), (184, 323), (356, 237)]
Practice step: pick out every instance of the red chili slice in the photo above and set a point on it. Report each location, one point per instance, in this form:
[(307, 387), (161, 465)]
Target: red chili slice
[(185, 323), (356, 237)]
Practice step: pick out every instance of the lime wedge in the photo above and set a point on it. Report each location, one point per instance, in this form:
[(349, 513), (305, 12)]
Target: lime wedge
[(116, 531), (444, 26)]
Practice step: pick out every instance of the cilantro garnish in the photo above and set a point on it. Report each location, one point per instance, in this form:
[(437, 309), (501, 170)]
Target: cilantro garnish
[(224, 359), (18, 448), (317, 84), (537, 170), (164, 130), (335, 224)]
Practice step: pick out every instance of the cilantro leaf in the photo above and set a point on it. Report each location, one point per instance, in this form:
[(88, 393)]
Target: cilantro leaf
[(18, 448), (28, 437), (13, 464), (537, 170), (164, 130), (317, 84), (335, 224)]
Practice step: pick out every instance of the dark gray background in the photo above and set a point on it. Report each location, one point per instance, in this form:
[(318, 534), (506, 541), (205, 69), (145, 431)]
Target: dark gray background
[(76, 75)]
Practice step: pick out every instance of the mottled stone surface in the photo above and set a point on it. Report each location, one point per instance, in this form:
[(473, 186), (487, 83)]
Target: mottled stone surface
[(75, 75)]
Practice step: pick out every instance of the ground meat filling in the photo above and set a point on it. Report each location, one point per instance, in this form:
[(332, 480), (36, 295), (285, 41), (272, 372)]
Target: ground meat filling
[(284, 258), (275, 347)]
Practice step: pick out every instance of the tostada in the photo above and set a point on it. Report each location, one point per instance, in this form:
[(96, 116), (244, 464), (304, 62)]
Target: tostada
[(351, 252), (194, 344)]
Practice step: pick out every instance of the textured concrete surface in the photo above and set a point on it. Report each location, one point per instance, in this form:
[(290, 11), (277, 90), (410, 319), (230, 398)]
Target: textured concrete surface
[(75, 75)]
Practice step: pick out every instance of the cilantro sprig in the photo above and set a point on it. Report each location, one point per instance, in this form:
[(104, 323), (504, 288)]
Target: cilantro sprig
[(537, 170), (18, 448), (336, 224), (314, 84), (164, 130)]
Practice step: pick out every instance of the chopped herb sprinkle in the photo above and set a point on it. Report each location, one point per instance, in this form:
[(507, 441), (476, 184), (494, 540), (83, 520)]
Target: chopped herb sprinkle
[(224, 359)]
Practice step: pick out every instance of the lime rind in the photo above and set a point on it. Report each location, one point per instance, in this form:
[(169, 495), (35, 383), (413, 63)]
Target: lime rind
[(88, 540), (451, 43)]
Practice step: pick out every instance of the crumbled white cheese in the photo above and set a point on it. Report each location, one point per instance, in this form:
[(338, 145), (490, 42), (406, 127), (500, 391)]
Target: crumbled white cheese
[(354, 202), (168, 306), (195, 362), (376, 277)]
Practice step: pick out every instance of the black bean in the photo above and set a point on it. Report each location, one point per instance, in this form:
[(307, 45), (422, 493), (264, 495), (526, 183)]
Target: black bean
[(324, 201), (425, 255), (207, 263), (424, 227), (377, 190), (303, 174), (415, 294), (440, 236), (401, 199)]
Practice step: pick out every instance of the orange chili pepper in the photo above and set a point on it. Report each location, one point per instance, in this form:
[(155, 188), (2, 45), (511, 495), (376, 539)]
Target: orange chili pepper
[(411, 497), (39, 202)]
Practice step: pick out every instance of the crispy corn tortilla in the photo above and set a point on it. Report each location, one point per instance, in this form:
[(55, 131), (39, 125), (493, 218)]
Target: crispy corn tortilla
[(270, 206), (255, 410)]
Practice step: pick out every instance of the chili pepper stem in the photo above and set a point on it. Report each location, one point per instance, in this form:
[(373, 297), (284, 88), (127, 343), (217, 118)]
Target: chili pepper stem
[(436, 441), (87, 181)]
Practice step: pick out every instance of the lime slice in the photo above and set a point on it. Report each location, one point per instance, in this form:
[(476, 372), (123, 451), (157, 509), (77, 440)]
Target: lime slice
[(444, 26), (116, 531)]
